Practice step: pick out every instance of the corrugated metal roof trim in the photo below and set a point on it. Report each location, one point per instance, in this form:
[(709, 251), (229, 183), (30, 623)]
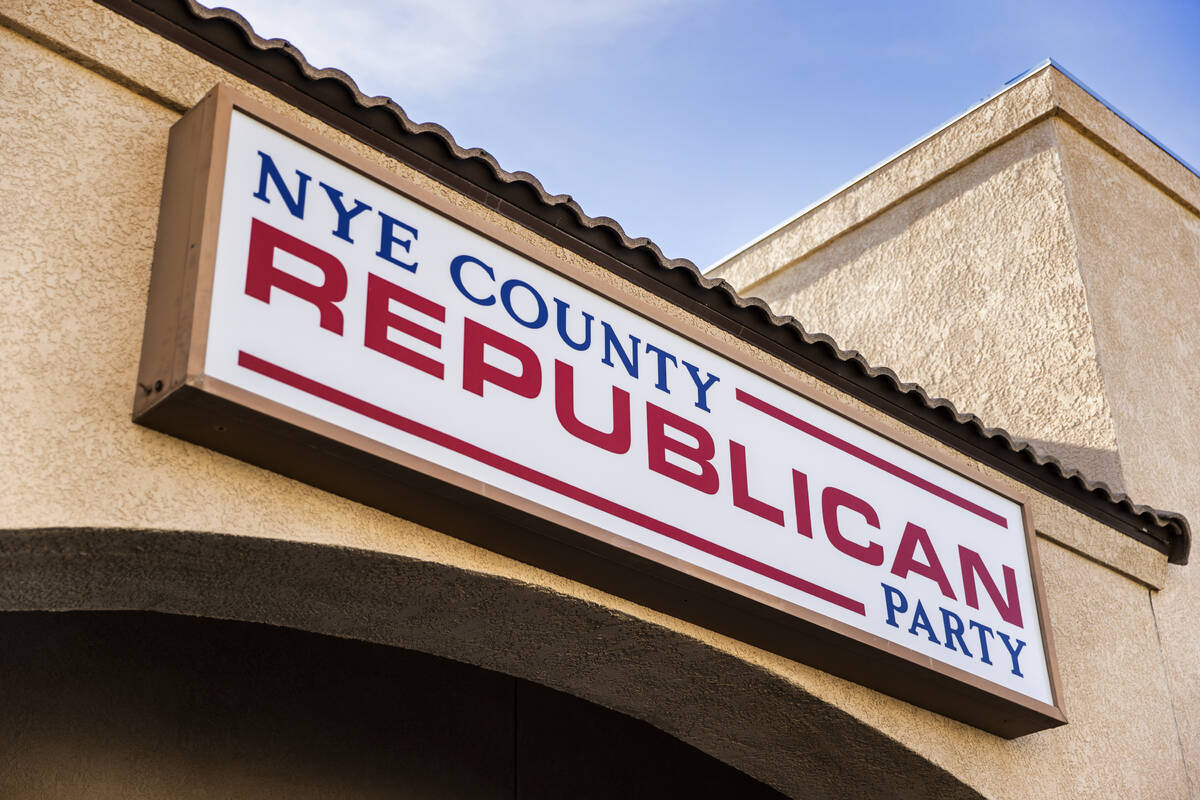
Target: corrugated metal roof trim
[(1173, 531)]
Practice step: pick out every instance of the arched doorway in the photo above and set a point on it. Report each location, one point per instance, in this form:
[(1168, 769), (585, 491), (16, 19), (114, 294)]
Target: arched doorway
[(725, 711), (140, 704)]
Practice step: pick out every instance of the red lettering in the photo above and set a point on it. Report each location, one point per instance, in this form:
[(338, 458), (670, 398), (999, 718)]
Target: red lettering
[(616, 441), (741, 491), (931, 568), (700, 454), (803, 509), (831, 500), (973, 568), (477, 372), (380, 319), (262, 275)]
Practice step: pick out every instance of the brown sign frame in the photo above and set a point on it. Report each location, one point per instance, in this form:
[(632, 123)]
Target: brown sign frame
[(175, 396)]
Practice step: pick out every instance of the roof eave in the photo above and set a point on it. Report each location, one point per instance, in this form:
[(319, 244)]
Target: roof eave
[(226, 39)]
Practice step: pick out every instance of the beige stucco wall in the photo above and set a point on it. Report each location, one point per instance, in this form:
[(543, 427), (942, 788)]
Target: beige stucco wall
[(982, 259), (1046, 280), (1140, 262), (86, 99)]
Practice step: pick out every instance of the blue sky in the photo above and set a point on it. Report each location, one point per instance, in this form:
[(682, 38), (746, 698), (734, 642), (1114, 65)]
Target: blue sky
[(702, 123)]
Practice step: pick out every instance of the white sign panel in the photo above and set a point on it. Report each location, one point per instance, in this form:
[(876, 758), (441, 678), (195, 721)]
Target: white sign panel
[(341, 298)]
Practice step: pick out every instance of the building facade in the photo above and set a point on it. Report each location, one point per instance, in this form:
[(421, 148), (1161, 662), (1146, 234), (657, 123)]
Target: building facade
[(181, 622)]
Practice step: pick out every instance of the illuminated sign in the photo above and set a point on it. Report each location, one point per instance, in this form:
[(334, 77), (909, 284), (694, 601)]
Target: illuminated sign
[(332, 311)]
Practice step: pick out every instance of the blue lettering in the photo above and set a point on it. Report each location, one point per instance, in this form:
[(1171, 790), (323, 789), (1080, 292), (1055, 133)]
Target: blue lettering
[(610, 343), (954, 631), (702, 387), (662, 356), (921, 620), (562, 327), (506, 290), (895, 601), (456, 276), (342, 231), (268, 170), (1013, 654), (983, 645), (387, 238)]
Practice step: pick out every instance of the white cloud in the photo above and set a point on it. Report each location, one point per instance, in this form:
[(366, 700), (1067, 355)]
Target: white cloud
[(417, 47)]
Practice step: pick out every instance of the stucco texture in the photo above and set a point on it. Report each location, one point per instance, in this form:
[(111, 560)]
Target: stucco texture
[(866, 197), (1140, 261), (982, 259), (86, 129), (1047, 281)]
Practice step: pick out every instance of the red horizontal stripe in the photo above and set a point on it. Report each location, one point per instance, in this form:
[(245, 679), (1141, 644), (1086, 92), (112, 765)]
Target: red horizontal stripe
[(563, 488), (870, 458)]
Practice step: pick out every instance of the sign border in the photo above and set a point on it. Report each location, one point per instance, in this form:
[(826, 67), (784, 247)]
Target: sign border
[(175, 396)]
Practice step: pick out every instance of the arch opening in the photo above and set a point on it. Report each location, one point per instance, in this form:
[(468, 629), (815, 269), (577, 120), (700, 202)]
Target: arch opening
[(755, 722)]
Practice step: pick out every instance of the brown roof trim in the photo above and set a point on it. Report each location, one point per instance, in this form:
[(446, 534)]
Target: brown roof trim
[(226, 39)]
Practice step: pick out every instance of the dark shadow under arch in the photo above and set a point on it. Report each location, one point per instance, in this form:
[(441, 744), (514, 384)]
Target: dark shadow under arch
[(736, 712), (138, 704)]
